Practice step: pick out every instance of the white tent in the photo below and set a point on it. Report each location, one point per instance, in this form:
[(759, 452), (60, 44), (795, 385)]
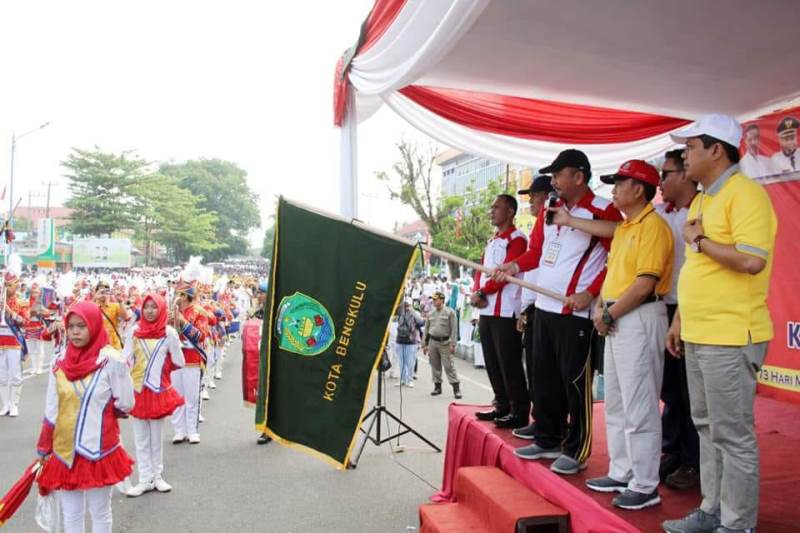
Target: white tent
[(517, 81)]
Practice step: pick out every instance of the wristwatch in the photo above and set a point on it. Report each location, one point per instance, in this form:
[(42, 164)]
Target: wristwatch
[(696, 243), (607, 318)]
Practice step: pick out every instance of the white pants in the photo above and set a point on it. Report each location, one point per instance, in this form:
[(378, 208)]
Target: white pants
[(633, 370), (185, 418), (36, 351), (73, 505), (10, 368), (149, 452)]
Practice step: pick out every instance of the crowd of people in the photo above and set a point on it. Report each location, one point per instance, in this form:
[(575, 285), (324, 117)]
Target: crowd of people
[(124, 345), (668, 302)]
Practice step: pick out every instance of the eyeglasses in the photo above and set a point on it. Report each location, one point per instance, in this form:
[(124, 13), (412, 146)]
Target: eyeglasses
[(665, 173)]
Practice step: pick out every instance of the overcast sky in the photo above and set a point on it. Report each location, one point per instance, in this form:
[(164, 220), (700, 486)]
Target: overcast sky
[(250, 82)]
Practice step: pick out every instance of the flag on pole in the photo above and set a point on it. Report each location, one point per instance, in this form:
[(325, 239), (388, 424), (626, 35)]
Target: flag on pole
[(14, 498), (333, 289)]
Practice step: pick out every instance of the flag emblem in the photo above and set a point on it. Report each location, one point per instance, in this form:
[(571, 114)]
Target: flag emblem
[(303, 325)]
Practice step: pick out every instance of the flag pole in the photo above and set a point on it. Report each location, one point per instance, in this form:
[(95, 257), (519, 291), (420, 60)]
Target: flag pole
[(430, 249)]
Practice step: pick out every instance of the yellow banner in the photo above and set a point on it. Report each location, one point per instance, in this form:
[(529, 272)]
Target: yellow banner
[(780, 378)]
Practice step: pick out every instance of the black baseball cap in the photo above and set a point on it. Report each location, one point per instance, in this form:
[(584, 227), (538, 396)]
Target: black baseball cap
[(569, 158), (542, 183)]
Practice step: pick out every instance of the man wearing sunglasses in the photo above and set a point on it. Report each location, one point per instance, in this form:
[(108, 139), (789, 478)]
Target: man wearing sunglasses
[(680, 462)]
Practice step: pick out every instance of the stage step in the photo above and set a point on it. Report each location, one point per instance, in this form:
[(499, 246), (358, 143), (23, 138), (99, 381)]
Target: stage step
[(500, 503), (449, 518)]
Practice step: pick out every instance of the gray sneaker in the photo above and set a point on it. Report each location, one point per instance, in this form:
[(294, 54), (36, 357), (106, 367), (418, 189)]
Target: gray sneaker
[(534, 451), (633, 501), (723, 529), (697, 521), (567, 465), (606, 484)]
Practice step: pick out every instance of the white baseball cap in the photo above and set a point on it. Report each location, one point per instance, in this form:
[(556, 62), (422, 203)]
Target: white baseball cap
[(722, 127)]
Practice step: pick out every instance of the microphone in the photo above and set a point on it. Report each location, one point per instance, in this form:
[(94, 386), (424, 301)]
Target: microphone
[(552, 199)]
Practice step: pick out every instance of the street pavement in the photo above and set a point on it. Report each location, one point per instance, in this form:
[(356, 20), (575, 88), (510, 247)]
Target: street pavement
[(229, 483)]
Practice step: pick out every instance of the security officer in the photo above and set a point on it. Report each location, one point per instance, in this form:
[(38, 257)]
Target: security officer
[(441, 335)]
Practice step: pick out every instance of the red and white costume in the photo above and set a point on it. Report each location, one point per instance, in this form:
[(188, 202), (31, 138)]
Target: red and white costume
[(187, 380), (11, 352), (153, 351), (88, 388)]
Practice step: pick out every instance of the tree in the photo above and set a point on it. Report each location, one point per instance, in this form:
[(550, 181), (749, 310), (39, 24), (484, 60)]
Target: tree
[(222, 190), (416, 189), (101, 185), (269, 239), (171, 216)]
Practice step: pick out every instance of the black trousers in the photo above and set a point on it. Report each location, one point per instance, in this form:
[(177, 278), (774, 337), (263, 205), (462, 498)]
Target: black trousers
[(527, 343), (502, 351), (679, 436), (562, 383)]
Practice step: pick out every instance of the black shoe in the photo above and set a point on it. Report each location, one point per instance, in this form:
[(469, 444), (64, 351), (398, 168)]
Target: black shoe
[(685, 477), (457, 391), (526, 433), (263, 439), (669, 463), (511, 422), (437, 389), (489, 415)]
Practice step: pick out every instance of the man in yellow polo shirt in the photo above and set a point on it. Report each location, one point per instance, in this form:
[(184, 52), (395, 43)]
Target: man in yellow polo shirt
[(633, 317), (723, 325)]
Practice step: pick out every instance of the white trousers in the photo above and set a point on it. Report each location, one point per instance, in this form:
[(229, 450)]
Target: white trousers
[(633, 370), (149, 451), (36, 351), (185, 418), (73, 505), (10, 368)]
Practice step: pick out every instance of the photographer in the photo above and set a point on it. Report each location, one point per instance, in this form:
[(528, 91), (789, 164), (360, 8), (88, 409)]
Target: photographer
[(407, 343)]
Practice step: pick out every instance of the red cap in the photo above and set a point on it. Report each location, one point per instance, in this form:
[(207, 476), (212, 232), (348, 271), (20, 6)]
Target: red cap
[(635, 169)]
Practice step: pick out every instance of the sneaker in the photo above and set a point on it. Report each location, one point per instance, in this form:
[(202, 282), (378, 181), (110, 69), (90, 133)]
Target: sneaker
[(204, 394), (633, 501), (685, 477), (526, 432), (140, 488), (399, 384), (606, 484), (201, 418), (410, 384), (212, 385), (697, 521), (161, 485), (534, 451), (194, 438), (178, 438), (13, 411), (723, 529), (264, 439), (567, 465), (218, 374)]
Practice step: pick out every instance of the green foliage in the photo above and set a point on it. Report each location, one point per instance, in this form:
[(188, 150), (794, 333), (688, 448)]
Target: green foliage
[(465, 235), (222, 190), (101, 185), (269, 239)]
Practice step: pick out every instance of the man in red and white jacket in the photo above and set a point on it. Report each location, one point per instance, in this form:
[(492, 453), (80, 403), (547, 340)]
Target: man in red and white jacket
[(573, 263), (498, 302)]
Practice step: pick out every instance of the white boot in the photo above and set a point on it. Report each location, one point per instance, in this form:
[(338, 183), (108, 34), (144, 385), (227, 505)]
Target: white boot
[(5, 401), (15, 392)]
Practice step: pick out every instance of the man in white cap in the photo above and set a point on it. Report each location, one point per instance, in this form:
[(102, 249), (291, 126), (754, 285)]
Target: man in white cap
[(722, 325)]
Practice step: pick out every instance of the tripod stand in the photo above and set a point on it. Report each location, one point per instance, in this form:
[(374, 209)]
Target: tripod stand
[(374, 417)]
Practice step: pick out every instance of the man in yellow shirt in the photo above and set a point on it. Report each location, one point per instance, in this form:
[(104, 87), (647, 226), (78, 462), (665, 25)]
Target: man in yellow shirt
[(723, 325), (114, 314)]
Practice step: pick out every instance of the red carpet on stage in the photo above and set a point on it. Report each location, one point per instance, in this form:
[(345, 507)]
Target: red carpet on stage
[(472, 443)]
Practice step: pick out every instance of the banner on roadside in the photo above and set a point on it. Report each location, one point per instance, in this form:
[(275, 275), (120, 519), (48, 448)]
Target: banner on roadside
[(333, 289)]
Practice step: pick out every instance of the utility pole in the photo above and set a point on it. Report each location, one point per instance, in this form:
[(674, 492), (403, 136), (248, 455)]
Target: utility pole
[(49, 185)]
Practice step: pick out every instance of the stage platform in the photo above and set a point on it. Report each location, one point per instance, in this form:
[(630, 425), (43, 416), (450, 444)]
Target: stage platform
[(471, 443)]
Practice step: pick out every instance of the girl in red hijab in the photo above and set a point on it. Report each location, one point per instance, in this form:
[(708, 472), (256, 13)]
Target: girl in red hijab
[(79, 443), (153, 351)]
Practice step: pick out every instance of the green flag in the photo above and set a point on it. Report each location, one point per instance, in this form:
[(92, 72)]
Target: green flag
[(333, 289)]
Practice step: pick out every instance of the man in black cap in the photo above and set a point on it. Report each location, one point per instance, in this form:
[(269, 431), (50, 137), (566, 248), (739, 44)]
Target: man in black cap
[(537, 194), (569, 262), (787, 159)]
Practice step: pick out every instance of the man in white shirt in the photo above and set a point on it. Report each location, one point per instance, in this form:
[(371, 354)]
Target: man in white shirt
[(753, 163), (787, 159)]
